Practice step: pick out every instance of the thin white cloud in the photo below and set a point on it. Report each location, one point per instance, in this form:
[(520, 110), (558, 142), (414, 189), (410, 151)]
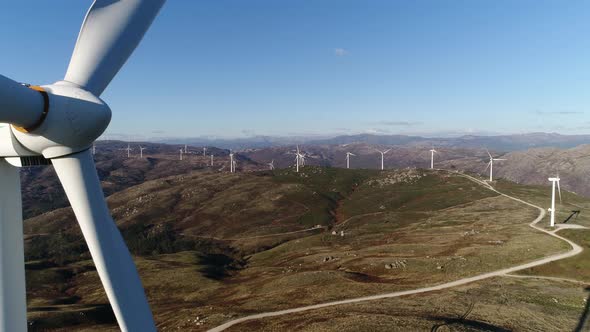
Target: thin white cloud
[(558, 112), (341, 52), (396, 123)]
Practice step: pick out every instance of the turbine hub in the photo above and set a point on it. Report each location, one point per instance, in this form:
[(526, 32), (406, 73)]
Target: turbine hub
[(73, 120)]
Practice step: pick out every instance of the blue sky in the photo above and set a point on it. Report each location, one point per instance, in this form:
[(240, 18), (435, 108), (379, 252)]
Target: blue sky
[(318, 67)]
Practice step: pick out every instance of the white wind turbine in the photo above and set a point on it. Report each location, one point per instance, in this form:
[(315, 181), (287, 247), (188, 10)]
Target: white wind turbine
[(231, 162), (185, 149), (204, 151), (211, 159), (59, 122), (491, 165), (382, 156), (348, 154), (432, 152), (552, 208), (298, 159), (128, 150), (141, 152), (181, 153), (271, 165)]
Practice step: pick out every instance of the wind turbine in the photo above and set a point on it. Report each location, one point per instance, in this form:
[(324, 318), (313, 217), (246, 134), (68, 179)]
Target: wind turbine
[(491, 165), (211, 159), (185, 149), (141, 151), (128, 150), (552, 208), (432, 152), (231, 162), (271, 165), (382, 156), (93, 149), (297, 159), (348, 154), (204, 151), (59, 122), (181, 152)]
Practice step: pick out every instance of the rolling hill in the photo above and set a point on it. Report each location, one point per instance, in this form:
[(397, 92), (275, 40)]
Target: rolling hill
[(211, 246)]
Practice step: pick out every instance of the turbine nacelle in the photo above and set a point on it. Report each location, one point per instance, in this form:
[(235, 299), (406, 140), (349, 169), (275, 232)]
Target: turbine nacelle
[(75, 118)]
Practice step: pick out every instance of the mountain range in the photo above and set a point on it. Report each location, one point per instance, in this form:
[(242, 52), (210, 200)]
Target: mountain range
[(505, 143)]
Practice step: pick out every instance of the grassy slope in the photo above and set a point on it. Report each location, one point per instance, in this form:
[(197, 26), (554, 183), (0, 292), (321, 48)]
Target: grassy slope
[(577, 267), (439, 237)]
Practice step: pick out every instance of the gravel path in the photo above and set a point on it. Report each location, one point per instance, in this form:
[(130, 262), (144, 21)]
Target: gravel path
[(575, 249)]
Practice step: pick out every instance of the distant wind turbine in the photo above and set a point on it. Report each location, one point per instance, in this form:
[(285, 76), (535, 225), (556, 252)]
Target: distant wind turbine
[(204, 151), (299, 159), (271, 165), (93, 148), (348, 154), (432, 152), (552, 208), (382, 156), (185, 148), (128, 150), (211, 160), (141, 151), (181, 151), (491, 165), (231, 162)]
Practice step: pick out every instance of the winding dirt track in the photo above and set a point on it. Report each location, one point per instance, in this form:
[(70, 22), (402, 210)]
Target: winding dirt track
[(576, 249)]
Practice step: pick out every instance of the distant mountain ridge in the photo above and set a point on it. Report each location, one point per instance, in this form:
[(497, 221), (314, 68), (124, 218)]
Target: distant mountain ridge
[(505, 143)]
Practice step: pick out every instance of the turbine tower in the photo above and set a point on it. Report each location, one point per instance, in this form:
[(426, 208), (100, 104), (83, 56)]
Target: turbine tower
[(491, 165), (181, 152), (211, 160), (204, 151), (141, 152), (432, 152), (59, 123), (185, 149), (552, 208), (382, 156), (348, 154)]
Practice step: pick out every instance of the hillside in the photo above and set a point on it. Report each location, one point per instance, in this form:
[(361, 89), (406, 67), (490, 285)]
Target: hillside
[(42, 191), (211, 246)]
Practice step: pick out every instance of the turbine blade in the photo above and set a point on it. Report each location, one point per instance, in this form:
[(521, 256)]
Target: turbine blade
[(114, 264), (489, 154), (559, 191), (19, 105), (488, 166), (110, 33), (13, 307)]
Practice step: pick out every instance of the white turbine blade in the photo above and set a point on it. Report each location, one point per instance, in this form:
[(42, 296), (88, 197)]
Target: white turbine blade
[(488, 166), (110, 33), (19, 105), (559, 191), (13, 306), (352, 154), (499, 159), (386, 151), (114, 264), (489, 154)]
